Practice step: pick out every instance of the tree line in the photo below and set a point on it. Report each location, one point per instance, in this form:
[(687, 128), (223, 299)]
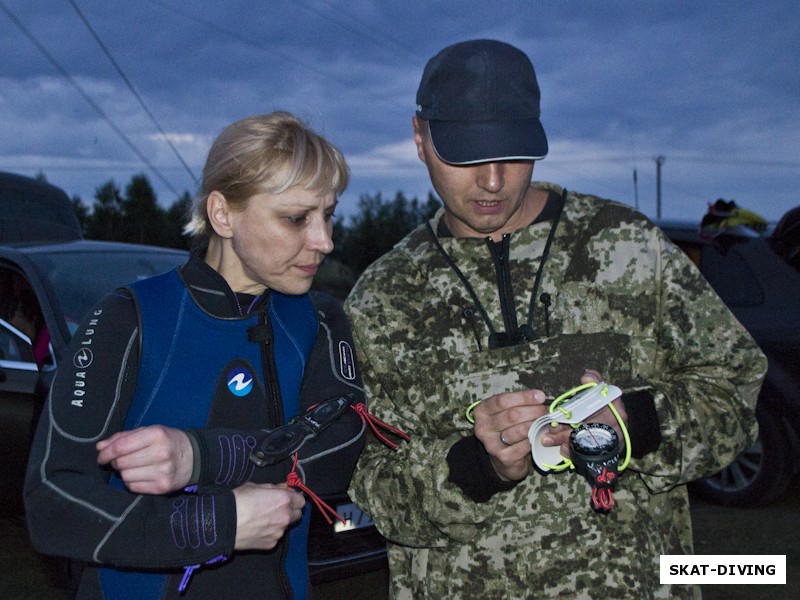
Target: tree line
[(134, 215)]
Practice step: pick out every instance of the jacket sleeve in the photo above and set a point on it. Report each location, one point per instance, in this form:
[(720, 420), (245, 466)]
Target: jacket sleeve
[(705, 377), (72, 510), (326, 461), (406, 490)]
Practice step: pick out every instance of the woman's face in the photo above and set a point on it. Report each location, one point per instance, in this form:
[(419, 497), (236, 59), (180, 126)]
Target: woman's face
[(279, 241)]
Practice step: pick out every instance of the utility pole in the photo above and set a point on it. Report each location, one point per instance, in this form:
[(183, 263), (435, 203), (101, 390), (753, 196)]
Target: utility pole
[(636, 189), (659, 161)]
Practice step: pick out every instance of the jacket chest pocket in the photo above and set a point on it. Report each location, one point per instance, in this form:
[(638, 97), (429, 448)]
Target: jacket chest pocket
[(553, 365)]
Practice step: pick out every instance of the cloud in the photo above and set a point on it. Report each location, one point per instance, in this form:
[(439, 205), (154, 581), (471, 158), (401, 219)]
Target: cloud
[(388, 158), (700, 83)]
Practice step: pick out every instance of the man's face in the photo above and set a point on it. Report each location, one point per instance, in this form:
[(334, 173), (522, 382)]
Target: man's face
[(487, 199)]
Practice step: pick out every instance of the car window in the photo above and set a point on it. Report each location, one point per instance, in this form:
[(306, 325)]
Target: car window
[(81, 279), (21, 311), (15, 347)]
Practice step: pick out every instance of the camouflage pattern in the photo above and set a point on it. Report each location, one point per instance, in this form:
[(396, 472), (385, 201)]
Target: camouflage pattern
[(626, 302)]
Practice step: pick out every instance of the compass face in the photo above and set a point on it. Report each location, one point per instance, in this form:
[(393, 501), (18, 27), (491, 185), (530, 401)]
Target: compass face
[(593, 439)]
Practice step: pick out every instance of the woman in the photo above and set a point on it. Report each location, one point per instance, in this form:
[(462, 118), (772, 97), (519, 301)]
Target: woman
[(177, 380)]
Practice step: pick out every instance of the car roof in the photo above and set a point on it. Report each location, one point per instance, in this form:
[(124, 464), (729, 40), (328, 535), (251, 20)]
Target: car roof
[(86, 246), (689, 231), (35, 210)]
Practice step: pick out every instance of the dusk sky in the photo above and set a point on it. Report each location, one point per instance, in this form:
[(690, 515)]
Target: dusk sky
[(99, 90)]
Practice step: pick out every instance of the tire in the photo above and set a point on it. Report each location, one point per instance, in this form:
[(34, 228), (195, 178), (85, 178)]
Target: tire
[(760, 474)]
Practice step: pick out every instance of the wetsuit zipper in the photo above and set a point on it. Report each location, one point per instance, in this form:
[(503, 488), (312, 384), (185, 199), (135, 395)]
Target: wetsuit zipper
[(275, 418), (274, 408)]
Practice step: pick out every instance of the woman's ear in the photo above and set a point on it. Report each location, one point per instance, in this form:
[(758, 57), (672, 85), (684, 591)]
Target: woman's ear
[(219, 214)]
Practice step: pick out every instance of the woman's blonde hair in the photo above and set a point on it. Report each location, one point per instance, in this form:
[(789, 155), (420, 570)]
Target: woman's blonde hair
[(266, 154)]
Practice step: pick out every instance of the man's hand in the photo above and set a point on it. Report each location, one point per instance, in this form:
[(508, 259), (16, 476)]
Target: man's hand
[(502, 423), (150, 460), (263, 513), (559, 436)]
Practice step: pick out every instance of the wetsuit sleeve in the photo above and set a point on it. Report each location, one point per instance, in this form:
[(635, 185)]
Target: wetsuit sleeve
[(72, 509), (325, 462)]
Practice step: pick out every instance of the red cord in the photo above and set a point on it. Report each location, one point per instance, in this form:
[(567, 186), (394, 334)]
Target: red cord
[(374, 422), (293, 480), (602, 497)]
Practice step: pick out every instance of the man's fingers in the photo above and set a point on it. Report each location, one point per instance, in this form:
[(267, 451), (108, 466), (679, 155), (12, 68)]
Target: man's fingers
[(511, 400), (590, 375)]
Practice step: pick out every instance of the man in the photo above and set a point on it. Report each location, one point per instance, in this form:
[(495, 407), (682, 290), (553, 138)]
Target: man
[(514, 293)]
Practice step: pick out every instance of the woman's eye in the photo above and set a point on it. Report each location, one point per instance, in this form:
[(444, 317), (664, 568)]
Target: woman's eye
[(296, 219)]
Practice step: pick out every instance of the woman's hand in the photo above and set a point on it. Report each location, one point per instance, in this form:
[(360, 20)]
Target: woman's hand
[(150, 460), (263, 513)]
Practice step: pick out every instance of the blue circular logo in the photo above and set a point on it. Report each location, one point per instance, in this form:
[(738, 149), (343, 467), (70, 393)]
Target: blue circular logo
[(240, 382)]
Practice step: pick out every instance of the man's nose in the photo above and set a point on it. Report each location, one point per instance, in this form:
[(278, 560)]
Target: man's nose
[(491, 176)]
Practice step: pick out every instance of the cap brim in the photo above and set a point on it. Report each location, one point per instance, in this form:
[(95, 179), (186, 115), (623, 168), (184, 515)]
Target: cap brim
[(466, 143)]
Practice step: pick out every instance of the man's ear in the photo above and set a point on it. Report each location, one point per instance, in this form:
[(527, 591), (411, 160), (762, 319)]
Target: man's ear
[(419, 137), (219, 214)]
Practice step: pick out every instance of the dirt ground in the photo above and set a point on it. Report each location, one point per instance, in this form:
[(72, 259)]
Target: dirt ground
[(765, 530), (718, 530)]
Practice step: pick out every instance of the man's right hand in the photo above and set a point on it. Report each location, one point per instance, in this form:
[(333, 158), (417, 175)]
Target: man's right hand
[(502, 423), (263, 513)]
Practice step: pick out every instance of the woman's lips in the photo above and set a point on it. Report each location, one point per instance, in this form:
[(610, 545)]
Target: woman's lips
[(309, 269)]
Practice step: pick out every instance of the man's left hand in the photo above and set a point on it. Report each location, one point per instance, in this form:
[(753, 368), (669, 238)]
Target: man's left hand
[(559, 436)]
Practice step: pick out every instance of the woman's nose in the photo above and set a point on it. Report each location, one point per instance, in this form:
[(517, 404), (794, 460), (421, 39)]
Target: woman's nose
[(320, 238)]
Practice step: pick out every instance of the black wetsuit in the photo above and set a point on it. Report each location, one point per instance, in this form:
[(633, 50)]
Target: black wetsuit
[(72, 509)]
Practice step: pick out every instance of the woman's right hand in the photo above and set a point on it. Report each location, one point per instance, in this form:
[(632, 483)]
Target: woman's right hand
[(263, 513)]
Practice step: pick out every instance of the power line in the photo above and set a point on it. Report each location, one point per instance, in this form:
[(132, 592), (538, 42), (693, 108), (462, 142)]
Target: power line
[(86, 96), (365, 30), (288, 57), (132, 89), (738, 161), (719, 160)]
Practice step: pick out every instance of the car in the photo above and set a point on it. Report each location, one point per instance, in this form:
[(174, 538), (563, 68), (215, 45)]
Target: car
[(342, 550), (45, 289), (755, 271), (34, 210), (49, 278)]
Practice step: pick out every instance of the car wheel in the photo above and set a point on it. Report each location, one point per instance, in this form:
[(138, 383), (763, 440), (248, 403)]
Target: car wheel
[(758, 475)]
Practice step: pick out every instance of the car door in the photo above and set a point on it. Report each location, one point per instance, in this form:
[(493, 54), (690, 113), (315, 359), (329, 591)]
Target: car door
[(22, 394), (27, 366)]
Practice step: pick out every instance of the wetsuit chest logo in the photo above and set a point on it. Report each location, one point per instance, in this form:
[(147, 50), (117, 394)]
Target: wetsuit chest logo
[(240, 381)]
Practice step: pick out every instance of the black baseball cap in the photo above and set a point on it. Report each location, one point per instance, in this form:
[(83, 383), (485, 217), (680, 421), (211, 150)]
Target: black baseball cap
[(481, 100)]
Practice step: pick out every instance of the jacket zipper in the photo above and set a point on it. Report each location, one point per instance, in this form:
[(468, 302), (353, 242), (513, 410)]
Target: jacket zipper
[(505, 287)]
